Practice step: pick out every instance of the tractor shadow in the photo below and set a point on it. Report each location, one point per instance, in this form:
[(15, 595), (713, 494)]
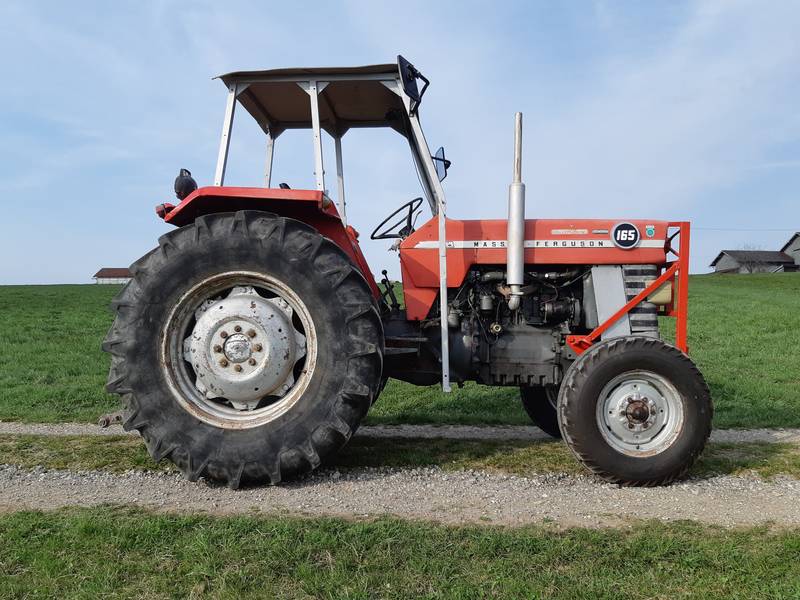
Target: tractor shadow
[(536, 458), (764, 459), (517, 457)]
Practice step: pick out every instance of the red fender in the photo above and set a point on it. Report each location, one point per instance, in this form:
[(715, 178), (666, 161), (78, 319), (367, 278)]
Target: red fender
[(309, 206)]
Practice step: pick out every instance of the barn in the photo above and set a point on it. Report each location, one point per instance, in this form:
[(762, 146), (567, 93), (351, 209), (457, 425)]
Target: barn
[(112, 275), (753, 261), (760, 261)]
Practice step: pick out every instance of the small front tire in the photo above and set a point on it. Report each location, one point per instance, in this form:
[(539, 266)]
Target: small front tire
[(635, 411)]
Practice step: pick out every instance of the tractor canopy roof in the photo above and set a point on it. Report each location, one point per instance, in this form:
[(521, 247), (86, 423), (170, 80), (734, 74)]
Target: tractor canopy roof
[(336, 100), (348, 97)]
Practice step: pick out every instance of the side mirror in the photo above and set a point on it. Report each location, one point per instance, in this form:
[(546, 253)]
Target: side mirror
[(408, 77), (441, 163)]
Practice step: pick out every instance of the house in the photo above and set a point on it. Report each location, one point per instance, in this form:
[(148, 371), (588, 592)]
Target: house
[(760, 261), (753, 261), (112, 275), (792, 248)]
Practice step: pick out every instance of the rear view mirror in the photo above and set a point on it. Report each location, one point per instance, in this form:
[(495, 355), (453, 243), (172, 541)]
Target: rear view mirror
[(441, 163), (408, 77)]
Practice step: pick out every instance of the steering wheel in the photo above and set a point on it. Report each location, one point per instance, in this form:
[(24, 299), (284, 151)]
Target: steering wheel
[(385, 232)]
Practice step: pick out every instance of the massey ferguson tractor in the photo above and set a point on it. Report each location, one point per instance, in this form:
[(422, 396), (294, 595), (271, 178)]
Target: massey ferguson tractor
[(253, 340)]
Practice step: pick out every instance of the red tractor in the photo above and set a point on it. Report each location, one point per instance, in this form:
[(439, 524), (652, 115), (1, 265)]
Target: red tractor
[(253, 340)]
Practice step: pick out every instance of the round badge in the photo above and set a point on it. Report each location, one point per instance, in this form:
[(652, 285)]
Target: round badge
[(625, 235)]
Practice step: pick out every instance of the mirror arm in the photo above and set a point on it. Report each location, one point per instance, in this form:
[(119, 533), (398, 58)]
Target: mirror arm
[(421, 92)]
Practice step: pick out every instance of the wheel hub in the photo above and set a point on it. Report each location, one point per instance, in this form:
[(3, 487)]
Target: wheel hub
[(639, 413), (237, 348), (244, 347)]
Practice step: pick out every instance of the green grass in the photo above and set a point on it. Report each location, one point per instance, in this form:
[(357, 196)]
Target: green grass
[(742, 333), (473, 404), (51, 365), (125, 553), (741, 330), (117, 454)]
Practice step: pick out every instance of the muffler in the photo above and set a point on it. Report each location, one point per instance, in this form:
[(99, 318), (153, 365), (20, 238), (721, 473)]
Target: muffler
[(515, 247)]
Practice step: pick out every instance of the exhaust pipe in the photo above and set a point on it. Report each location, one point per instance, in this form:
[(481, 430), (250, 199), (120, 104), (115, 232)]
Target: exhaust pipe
[(515, 250)]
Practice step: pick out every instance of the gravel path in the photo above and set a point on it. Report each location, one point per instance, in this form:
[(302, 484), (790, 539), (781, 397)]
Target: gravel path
[(429, 494), (459, 432)]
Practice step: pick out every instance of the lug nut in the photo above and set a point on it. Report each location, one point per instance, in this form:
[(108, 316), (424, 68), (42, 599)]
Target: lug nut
[(223, 363), (630, 425), (251, 333), (217, 348), (223, 334), (251, 362), (237, 368), (237, 329), (258, 347)]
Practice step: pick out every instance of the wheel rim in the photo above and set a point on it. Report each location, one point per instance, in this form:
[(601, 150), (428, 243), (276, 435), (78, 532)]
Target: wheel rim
[(640, 413), (239, 349)]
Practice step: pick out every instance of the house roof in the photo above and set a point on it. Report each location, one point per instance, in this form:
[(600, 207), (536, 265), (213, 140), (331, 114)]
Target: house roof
[(112, 272), (756, 256), (789, 243)]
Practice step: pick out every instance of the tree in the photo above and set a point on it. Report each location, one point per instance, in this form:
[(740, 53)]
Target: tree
[(750, 262)]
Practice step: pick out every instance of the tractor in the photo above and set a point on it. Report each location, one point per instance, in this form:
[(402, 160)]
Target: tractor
[(252, 341)]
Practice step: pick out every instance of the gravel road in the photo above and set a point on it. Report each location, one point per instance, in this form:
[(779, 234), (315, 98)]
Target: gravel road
[(428, 494), (459, 432)]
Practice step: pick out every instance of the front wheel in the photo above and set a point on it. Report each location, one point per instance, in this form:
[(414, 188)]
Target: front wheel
[(635, 411)]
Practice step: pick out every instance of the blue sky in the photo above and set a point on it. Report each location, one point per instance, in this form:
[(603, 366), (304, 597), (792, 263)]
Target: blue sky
[(662, 110)]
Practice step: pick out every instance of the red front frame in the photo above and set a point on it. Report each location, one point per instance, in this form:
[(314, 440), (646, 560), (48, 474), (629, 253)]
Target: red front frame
[(678, 307)]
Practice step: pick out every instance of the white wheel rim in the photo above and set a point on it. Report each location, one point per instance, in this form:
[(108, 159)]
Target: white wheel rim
[(239, 349), (640, 413)]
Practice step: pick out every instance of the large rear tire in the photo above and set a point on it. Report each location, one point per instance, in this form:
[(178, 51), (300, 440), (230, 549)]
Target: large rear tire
[(540, 403), (246, 349), (635, 411)]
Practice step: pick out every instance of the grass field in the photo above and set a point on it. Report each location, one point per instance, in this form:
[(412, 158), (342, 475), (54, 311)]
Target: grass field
[(741, 334), (122, 553), (117, 454)]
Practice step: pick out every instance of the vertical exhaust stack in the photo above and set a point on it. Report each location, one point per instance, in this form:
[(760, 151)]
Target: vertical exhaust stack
[(515, 251)]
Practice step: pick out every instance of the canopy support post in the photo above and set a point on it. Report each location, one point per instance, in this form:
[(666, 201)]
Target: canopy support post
[(268, 162), (314, 88), (225, 140), (340, 179), (429, 172)]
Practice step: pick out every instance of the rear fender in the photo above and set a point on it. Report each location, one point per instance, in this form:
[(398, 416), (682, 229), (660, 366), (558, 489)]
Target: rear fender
[(309, 206)]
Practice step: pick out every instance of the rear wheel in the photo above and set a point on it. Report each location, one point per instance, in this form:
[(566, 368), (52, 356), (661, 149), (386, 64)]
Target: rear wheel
[(246, 348), (635, 411), (540, 404)]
